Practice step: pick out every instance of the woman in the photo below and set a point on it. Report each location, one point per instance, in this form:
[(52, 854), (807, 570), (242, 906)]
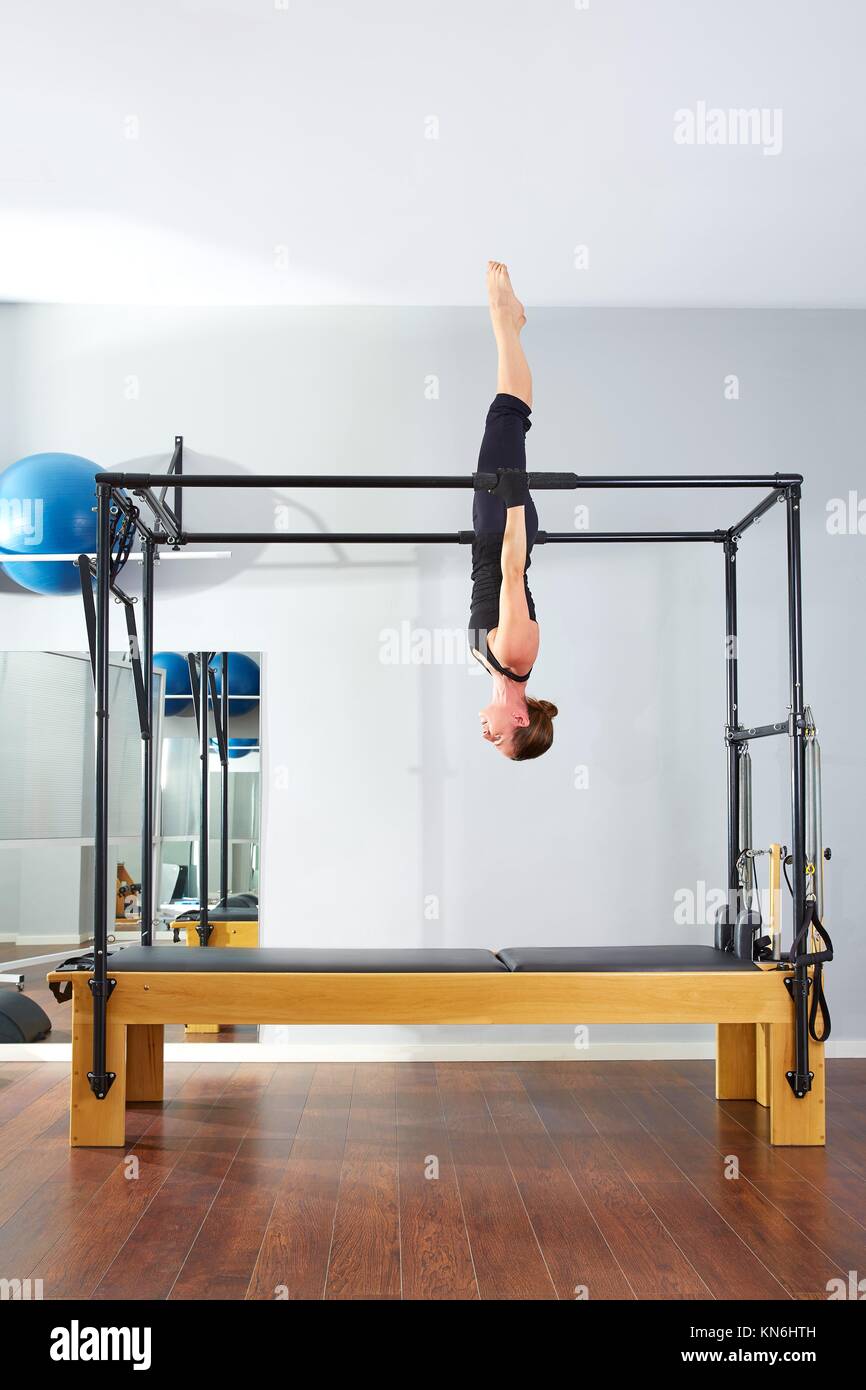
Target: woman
[(503, 632)]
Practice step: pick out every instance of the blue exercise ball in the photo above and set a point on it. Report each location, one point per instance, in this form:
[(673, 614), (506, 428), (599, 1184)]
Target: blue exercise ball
[(238, 747), (244, 680), (178, 695), (47, 508)]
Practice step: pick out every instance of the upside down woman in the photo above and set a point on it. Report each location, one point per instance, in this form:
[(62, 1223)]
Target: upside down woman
[(503, 631)]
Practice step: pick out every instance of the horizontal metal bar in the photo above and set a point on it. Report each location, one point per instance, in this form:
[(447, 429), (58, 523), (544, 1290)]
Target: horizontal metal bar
[(326, 537), (400, 480), (743, 734), (689, 480), (140, 482), (73, 557), (588, 537), (430, 537), (756, 513)]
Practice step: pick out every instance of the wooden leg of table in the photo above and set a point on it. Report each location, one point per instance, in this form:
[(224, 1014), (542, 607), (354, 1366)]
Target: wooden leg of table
[(735, 1061), (762, 1063), (144, 1061), (92, 1122), (794, 1121)]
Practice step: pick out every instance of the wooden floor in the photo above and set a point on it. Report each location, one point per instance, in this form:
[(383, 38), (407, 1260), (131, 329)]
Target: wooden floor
[(426, 1181)]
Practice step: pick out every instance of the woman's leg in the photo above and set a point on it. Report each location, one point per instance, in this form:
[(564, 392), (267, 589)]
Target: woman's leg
[(504, 442), (513, 377)]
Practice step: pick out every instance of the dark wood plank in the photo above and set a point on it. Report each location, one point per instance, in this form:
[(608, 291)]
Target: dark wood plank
[(293, 1258), (12, 1072), (224, 1253), (638, 1154), (365, 1251), (789, 1255), (46, 1198), (836, 1233), (579, 1259), (86, 1247), (742, 1129), (149, 1262), (49, 1152), (846, 1076), (725, 1263), (819, 1166), (715, 1124), (32, 1106), (19, 1179), (653, 1263), (435, 1254), (505, 1250)]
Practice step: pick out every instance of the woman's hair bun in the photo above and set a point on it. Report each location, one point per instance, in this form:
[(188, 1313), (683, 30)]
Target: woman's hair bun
[(549, 708)]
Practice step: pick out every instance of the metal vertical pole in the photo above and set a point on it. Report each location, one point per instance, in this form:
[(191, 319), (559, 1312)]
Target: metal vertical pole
[(747, 840), (203, 929), (146, 924), (178, 491), (800, 1079), (733, 720), (224, 825), (100, 1078)]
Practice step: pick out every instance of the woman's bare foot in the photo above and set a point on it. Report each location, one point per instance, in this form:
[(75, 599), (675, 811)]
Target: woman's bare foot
[(506, 309)]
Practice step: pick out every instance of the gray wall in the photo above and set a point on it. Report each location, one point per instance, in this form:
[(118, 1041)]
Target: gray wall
[(379, 794)]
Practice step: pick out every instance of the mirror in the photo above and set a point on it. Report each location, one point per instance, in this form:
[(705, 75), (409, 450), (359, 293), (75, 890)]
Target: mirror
[(48, 775)]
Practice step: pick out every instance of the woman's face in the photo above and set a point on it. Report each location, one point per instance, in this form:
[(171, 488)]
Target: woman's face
[(498, 724)]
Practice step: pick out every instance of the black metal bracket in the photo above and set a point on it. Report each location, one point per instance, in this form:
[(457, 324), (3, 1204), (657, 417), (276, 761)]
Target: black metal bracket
[(101, 1082), (135, 663), (102, 989), (203, 932), (162, 514), (800, 1079), (800, 1082), (85, 573), (176, 467), (192, 666), (217, 716), (743, 733)]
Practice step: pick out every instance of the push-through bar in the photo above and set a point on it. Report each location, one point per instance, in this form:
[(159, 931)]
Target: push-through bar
[(538, 481), (427, 537)]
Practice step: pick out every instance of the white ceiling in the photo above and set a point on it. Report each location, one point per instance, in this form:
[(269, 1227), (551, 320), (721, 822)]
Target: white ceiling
[(281, 153)]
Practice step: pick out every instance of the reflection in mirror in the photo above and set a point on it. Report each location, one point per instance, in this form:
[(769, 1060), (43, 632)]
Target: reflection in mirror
[(234, 795), (47, 809)]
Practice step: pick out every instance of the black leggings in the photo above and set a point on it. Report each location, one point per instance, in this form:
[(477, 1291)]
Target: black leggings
[(503, 446)]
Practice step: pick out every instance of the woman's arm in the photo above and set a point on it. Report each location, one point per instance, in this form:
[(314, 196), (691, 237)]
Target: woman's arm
[(516, 641), (514, 543)]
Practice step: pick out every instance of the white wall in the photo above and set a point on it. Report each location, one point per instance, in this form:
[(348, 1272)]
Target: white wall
[(378, 788), (230, 152)]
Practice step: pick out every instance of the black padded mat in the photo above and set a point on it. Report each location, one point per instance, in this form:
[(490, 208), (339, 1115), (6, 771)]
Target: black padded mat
[(621, 959), (243, 960)]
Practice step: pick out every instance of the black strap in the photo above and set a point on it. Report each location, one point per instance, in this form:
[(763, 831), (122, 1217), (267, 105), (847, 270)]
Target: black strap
[(506, 671), (798, 956)]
